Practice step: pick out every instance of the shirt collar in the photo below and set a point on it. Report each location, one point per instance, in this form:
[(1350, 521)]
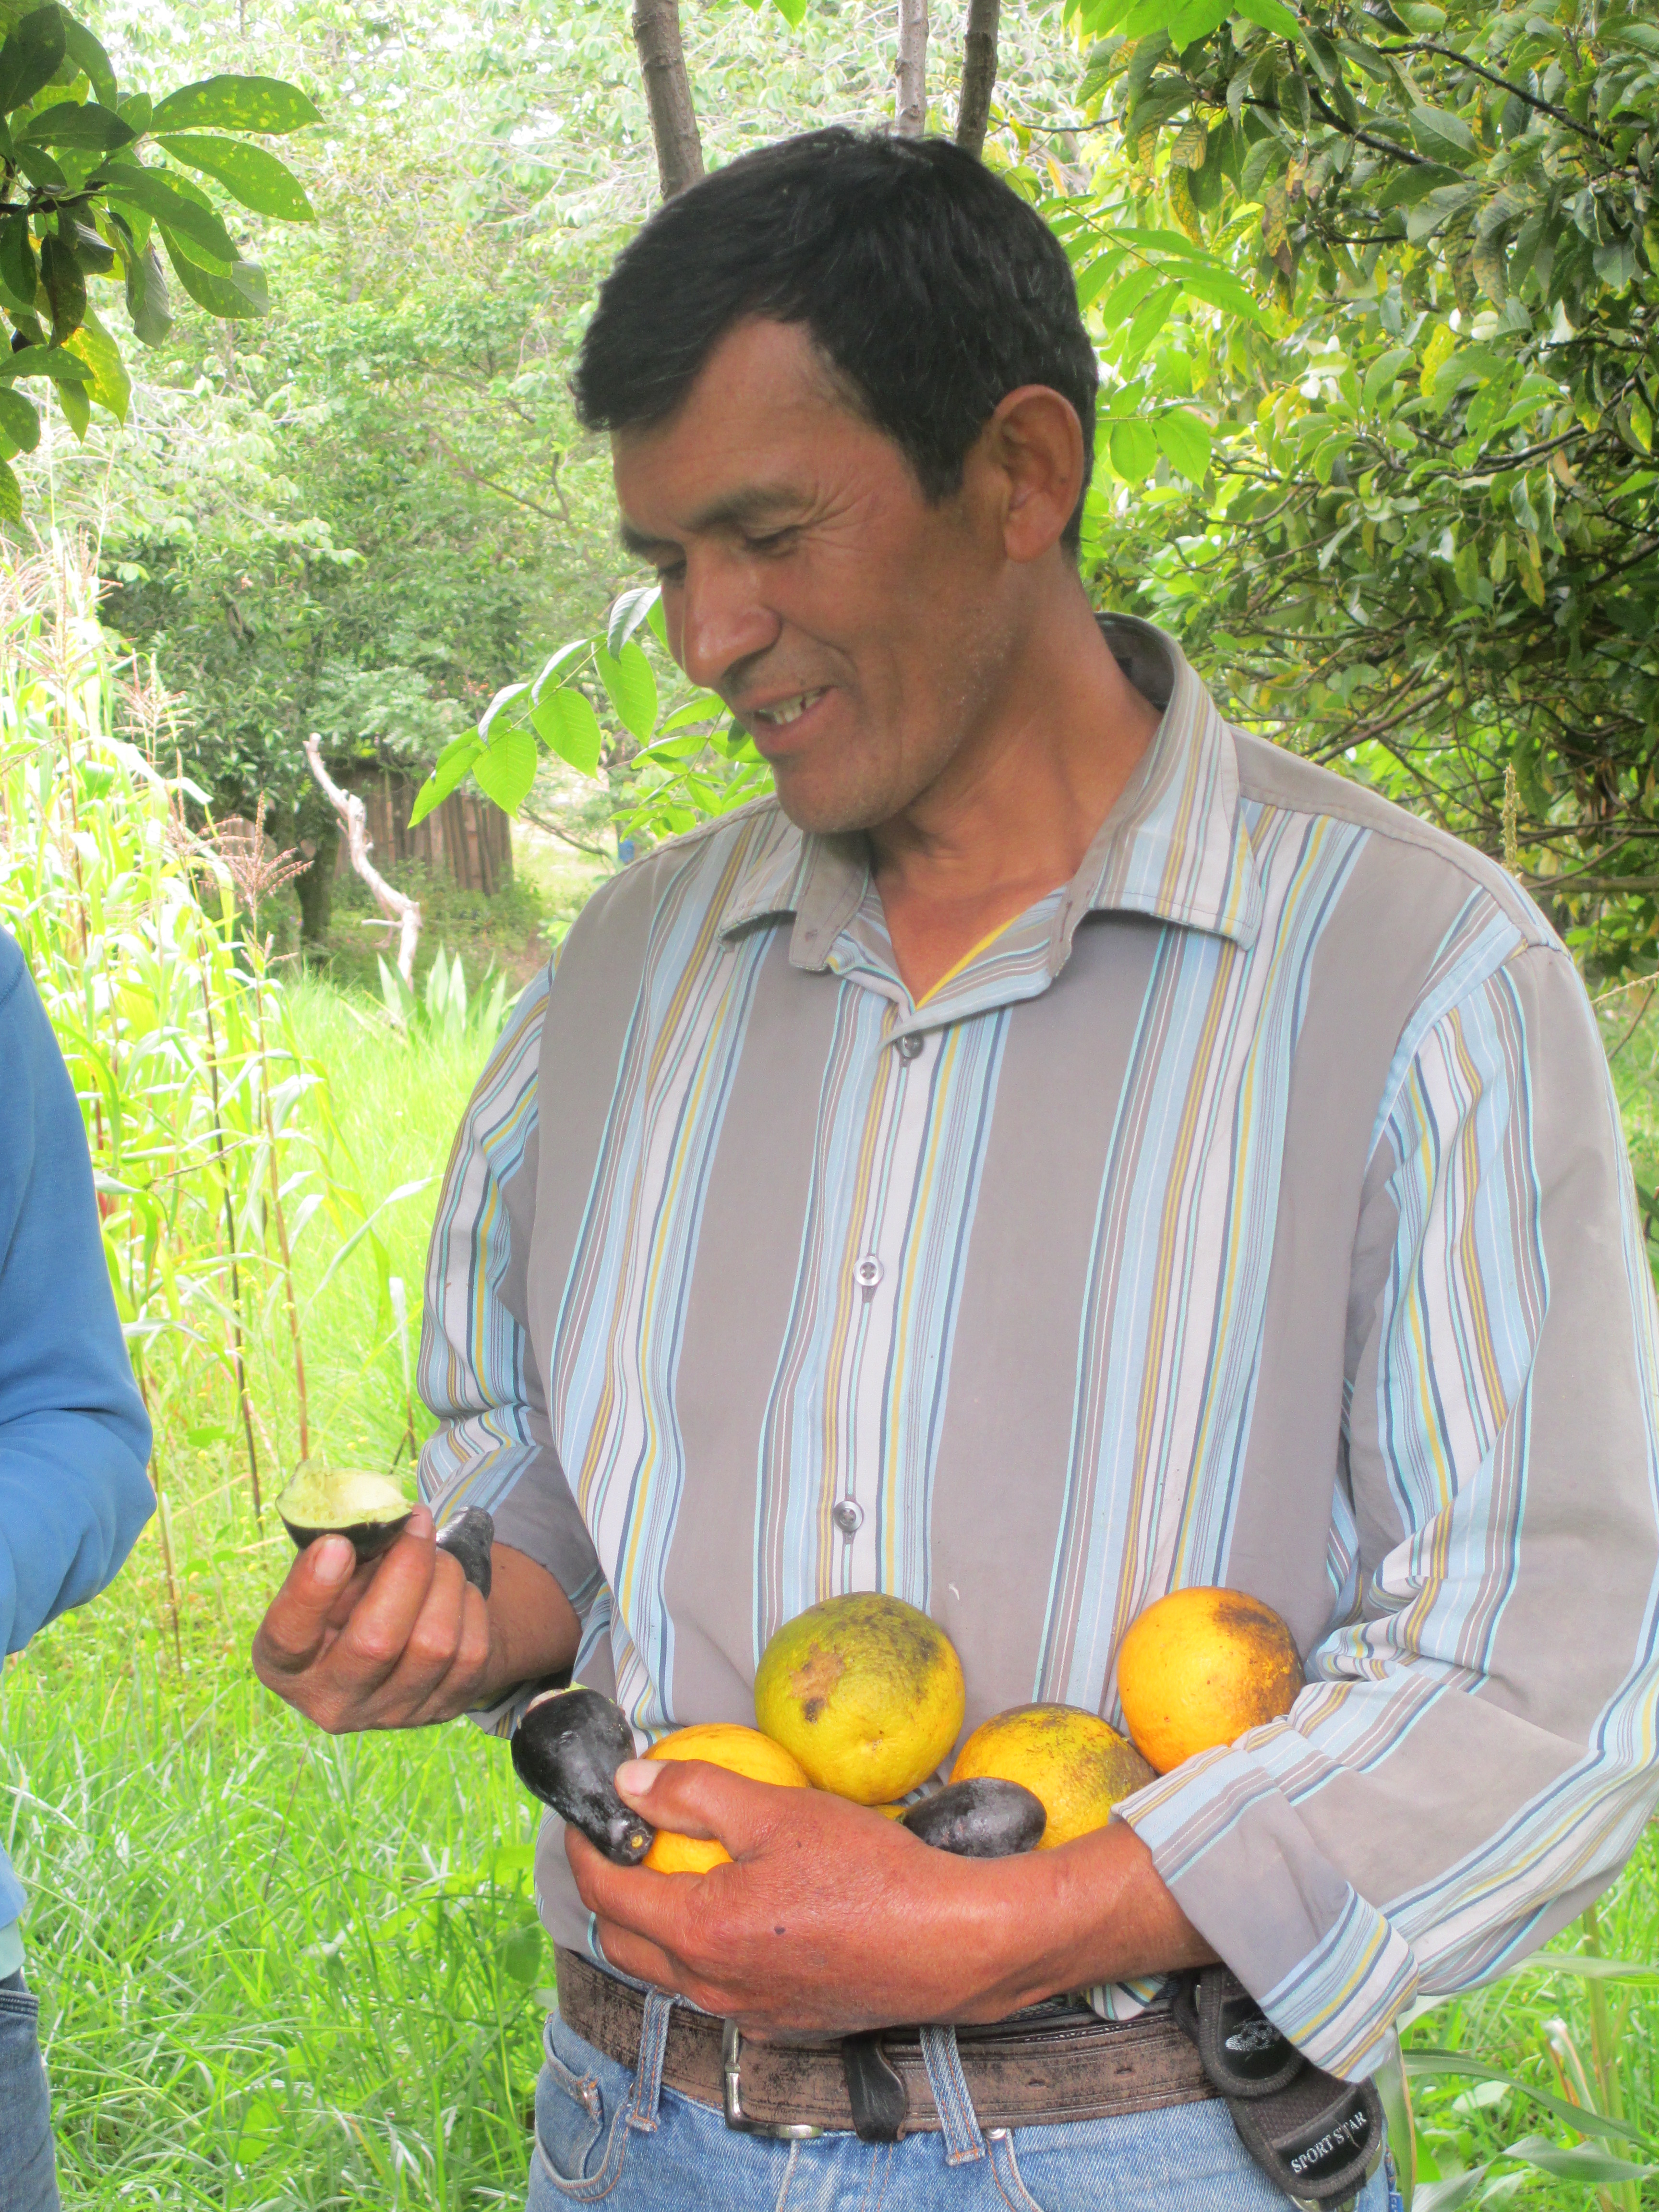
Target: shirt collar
[(1174, 846)]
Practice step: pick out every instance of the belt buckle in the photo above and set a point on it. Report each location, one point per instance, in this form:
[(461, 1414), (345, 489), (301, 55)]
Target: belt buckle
[(731, 2082)]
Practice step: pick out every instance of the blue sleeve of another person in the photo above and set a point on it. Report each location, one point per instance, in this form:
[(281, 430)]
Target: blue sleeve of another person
[(74, 1435)]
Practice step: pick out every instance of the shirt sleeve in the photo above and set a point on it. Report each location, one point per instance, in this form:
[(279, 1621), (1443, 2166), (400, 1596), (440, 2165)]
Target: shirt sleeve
[(74, 1436), (493, 1445), (1473, 1757)]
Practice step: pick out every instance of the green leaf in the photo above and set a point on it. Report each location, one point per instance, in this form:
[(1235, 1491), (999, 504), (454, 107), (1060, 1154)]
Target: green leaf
[(110, 386), (235, 103), (497, 707), (1584, 1964), (137, 109), (195, 226), (1440, 135), (629, 609), (794, 12), (566, 721), (89, 56), (506, 768), (18, 270), (452, 765), (1423, 2064), (633, 688), (40, 169), (30, 57), (11, 494), (1380, 377), (45, 360), (66, 286), (249, 173), (71, 123), (1183, 439), (558, 665), (239, 293), (1272, 15), (1134, 449), (146, 287), (77, 409), (19, 419), (1149, 319), (1580, 2163)]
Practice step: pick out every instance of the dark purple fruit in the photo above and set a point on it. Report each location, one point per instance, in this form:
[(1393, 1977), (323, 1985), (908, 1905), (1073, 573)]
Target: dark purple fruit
[(467, 1536), (982, 1818), (370, 1509), (566, 1750)]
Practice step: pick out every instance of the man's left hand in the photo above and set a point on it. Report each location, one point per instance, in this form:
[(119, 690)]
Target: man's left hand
[(832, 1919)]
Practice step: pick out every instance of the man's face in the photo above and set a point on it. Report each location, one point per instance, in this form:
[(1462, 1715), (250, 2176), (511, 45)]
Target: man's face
[(854, 629)]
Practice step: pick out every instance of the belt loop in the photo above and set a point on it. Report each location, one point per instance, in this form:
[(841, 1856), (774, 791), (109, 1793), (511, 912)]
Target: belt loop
[(647, 2080), (958, 2118)]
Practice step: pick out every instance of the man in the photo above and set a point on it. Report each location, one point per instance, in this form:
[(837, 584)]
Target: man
[(74, 1441), (1061, 1149)]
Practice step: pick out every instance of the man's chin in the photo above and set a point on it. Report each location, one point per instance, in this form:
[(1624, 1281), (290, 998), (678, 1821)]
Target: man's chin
[(819, 814)]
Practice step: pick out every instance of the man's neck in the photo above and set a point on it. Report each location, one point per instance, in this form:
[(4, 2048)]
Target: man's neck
[(1019, 806)]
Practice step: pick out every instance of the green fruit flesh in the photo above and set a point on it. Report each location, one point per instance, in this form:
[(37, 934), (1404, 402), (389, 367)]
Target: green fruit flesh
[(369, 1508)]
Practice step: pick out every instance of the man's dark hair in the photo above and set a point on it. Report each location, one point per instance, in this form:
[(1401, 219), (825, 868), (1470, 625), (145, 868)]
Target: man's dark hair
[(928, 285)]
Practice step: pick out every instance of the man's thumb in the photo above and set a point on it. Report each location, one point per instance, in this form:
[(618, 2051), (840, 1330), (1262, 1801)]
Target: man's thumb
[(693, 1797)]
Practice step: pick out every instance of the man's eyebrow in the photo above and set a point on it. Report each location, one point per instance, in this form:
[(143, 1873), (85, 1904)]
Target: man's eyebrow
[(754, 503)]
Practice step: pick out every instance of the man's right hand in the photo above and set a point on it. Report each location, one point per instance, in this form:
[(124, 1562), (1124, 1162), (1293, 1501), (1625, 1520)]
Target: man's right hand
[(400, 1643)]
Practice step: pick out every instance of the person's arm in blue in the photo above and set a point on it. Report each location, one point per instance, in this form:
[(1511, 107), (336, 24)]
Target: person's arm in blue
[(74, 1435)]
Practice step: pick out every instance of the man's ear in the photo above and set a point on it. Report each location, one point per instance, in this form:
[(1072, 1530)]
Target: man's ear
[(1033, 445)]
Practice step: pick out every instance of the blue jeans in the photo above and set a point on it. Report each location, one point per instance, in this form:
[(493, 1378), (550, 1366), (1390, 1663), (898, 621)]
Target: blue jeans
[(604, 2137), (29, 2172)]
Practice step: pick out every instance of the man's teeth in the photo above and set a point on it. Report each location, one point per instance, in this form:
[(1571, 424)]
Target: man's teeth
[(789, 710)]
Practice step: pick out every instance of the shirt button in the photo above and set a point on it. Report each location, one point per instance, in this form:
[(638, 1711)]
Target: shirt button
[(868, 1271), (909, 1046), (847, 1514)]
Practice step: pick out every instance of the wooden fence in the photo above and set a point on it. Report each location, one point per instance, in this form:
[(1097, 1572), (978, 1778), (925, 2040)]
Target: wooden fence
[(467, 836)]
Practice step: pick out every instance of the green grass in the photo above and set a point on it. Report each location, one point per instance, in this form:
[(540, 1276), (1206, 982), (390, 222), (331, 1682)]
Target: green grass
[(282, 1970)]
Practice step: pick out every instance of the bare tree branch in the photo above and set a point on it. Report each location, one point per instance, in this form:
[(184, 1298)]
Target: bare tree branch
[(911, 67), (398, 907), (979, 73), (668, 93)]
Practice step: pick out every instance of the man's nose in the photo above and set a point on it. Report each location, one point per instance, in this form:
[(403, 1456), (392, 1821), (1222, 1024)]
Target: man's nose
[(723, 619)]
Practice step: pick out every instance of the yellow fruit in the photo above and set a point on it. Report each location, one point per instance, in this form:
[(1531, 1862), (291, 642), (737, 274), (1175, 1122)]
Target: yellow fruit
[(866, 1692), (741, 1751), (892, 1812), (1199, 1667), (1072, 1760)]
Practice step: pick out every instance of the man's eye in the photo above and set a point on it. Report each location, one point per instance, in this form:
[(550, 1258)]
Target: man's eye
[(670, 573), (773, 541)]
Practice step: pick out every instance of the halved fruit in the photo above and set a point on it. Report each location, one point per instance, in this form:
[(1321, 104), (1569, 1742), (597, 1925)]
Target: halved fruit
[(331, 1501)]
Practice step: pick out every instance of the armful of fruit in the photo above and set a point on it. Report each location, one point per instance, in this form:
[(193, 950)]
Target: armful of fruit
[(807, 1912), (385, 1626)]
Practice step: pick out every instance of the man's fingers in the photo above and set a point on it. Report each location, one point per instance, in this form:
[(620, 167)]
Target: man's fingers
[(632, 1954), (295, 1627)]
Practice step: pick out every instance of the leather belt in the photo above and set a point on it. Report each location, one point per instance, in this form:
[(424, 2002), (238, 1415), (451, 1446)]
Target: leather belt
[(1040, 2068)]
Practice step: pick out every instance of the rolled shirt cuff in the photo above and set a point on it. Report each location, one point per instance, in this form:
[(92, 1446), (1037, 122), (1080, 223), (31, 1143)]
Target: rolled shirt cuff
[(1328, 1969)]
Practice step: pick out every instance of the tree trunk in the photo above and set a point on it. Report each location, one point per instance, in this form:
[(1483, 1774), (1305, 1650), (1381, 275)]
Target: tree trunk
[(668, 93), (911, 67), (315, 889), (979, 74)]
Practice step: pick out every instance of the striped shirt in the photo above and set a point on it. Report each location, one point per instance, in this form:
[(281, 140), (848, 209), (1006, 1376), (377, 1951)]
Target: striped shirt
[(1252, 1211)]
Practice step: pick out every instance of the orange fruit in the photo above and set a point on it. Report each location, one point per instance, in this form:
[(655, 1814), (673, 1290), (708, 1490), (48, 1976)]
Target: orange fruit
[(867, 1693), (1201, 1667), (741, 1751), (1076, 1764)]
